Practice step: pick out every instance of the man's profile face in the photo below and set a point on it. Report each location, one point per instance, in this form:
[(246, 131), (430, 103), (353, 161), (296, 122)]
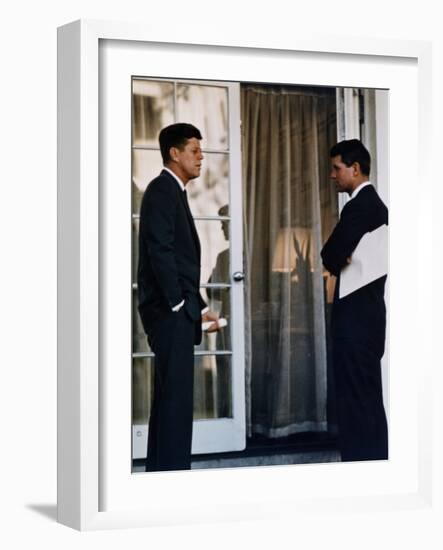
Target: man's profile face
[(343, 176), (188, 160)]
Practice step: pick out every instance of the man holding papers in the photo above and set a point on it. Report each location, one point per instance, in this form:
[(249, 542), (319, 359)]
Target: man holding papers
[(356, 253), (170, 305)]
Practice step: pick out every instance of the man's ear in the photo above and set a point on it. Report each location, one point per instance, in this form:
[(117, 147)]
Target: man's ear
[(173, 151), (357, 168)]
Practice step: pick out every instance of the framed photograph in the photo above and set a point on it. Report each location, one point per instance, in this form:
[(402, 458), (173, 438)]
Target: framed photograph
[(118, 86)]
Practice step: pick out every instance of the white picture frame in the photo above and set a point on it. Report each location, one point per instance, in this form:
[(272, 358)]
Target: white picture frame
[(243, 493)]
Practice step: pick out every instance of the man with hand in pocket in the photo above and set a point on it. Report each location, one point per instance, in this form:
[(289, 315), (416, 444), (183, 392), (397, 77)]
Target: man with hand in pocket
[(170, 305)]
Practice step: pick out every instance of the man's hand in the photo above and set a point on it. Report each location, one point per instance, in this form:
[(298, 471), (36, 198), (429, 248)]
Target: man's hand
[(211, 316)]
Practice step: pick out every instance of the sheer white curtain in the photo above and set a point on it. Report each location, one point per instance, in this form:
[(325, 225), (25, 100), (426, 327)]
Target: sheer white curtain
[(289, 209)]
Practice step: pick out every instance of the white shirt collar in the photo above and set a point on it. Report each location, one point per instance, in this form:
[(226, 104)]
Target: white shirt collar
[(359, 188), (178, 180)]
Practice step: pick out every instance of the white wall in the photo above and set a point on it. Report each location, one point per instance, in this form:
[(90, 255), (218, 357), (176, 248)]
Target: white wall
[(28, 260)]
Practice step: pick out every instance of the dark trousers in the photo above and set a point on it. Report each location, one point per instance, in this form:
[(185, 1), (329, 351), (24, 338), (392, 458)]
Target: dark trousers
[(361, 418), (170, 422)]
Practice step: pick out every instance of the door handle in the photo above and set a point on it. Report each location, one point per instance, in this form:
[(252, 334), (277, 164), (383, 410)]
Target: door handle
[(238, 276)]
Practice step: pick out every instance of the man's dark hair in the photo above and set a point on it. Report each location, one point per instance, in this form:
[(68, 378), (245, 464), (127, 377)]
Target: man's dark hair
[(353, 150), (176, 135)]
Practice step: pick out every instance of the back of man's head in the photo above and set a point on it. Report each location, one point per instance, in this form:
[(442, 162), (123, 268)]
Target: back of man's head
[(176, 135), (353, 150)]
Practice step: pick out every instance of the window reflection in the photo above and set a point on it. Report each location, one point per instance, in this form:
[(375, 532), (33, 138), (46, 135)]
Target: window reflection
[(219, 301), (208, 193), (214, 235), (152, 108), (207, 108), (219, 298), (146, 165), (139, 339), (212, 387), (142, 389)]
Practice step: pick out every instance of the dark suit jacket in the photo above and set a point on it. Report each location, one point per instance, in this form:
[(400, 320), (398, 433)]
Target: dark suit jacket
[(169, 254), (362, 314)]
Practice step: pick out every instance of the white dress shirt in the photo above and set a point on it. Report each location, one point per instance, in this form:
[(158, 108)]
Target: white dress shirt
[(359, 188)]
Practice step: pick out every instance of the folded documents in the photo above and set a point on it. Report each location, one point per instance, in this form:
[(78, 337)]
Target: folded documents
[(222, 322), (369, 262)]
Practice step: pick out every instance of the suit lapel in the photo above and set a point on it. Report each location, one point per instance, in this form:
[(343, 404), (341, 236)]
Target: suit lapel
[(188, 213), (191, 221)]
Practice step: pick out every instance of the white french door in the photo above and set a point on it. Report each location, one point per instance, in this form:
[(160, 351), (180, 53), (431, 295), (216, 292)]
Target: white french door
[(216, 203)]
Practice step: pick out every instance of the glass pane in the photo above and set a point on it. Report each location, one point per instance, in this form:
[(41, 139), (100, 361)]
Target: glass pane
[(214, 240), (212, 387), (153, 108), (207, 108), (142, 389), (139, 339), (146, 165), (210, 192)]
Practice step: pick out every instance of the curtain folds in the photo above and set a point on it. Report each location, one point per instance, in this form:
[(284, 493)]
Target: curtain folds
[(289, 209)]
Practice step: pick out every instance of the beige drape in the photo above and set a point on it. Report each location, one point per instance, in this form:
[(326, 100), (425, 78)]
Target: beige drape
[(289, 209)]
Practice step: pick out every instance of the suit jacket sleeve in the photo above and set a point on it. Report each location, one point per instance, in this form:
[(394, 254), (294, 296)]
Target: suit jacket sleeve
[(345, 237), (157, 228), (203, 304)]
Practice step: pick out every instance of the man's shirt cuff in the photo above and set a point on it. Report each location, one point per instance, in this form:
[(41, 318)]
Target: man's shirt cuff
[(205, 310), (178, 306)]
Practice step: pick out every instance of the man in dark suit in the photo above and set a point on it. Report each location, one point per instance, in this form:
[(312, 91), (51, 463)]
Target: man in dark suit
[(170, 305), (359, 318)]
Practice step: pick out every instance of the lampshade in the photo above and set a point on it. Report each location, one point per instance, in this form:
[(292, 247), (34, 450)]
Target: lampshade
[(285, 253), (285, 257)]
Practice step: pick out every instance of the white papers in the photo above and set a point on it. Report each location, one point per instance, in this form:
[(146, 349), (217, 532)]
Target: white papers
[(369, 262), (222, 322)]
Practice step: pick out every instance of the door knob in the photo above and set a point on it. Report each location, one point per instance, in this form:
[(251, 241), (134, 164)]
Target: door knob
[(238, 276)]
